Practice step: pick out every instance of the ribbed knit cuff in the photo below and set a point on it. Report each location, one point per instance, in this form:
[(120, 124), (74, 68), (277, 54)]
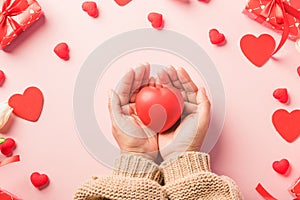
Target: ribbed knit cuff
[(136, 166), (185, 164)]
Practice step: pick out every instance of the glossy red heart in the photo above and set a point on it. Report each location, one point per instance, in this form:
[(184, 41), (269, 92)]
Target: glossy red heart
[(281, 166), (38, 180), (91, 8), (29, 105), (2, 77), (287, 124), (281, 94), (258, 50), (122, 2), (156, 20), (62, 50), (216, 37), (159, 107)]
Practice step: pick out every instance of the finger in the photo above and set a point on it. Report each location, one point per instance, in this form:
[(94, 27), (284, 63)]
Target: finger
[(138, 78), (145, 80), (152, 82), (164, 78), (188, 85), (114, 106), (203, 104), (124, 87), (176, 82)]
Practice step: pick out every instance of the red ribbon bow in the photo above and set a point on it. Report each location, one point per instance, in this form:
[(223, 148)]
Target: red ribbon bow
[(11, 8)]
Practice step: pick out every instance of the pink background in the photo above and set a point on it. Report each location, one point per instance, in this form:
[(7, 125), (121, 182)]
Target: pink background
[(248, 144)]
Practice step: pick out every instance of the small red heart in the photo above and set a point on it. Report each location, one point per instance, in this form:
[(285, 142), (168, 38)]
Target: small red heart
[(216, 37), (62, 51), (156, 20), (91, 8), (39, 181), (2, 77), (7, 146), (29, 105), (281, 94), (122, 2), (287, 124), (298, 70), (281, 166), (258, 50)]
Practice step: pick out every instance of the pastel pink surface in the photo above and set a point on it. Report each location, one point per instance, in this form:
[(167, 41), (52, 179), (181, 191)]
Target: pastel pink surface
[(248, 130)]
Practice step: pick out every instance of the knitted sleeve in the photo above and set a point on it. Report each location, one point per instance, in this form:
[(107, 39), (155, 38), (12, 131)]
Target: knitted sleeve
[(188, 176), (134, 177)]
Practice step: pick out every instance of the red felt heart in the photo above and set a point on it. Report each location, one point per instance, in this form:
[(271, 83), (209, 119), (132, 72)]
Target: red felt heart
[(258, 50), (91, 8), (287, 124), (2, 77), (7, 146), (281, 95), (281, 166), (156, 20), (216, 37), (159, 107), (39, 181), (62, 50), (29, 105), (122, 2)]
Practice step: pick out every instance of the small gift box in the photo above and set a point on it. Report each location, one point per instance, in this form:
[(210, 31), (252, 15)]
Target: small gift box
[(15, 17), (4, 195), (296, 188), (272, 13)]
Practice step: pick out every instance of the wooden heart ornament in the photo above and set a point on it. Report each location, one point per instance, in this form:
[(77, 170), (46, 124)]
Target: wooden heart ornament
[(258, 50), (29, 105), (159, 108), (287, 124)]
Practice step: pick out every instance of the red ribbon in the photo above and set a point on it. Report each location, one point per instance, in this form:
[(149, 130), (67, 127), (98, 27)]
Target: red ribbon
[(264, 193), (10, 160), (11, 8)]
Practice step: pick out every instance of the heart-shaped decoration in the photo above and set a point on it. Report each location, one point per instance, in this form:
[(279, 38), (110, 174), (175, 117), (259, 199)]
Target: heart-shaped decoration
[(156, 20), (38, 180), (29, 105), (7, 146), (122, 2), (90, 7), (281, 166), (2, 77), (298, 70), (287, 124), (281, 94), (62, 50), (216, 37), (258, 50), (159, 108)]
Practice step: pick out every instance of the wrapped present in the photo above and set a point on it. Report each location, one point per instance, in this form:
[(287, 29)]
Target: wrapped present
[(276, 14), (15, 17), (296, 188), (4, 195)]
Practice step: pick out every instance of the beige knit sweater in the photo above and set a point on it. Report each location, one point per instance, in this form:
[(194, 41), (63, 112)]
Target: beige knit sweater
[(185, 177)]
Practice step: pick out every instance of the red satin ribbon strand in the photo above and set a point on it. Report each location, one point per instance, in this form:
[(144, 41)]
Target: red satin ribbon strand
[(264, 193), (292, 11), (9, 160)]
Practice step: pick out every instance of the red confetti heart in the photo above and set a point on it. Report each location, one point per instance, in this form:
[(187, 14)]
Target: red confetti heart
[(216, 37), (298, 70), (258, 50), (62, 51), (156, 20), (281, 166), (2, 77), (281, 95), (91, 8), (122, 2), (39, 181), (287, 124), (29, 105), (7, 146)]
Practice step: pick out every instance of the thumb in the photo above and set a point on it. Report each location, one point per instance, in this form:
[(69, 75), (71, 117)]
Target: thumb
[(114, 106), (203, 107)]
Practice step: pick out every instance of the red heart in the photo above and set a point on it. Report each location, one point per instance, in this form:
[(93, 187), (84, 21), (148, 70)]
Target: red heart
[(281, 95), (287, 124), (216, 37), (156, 20), (159, 108), (122, 2), (298, 70), (7, 146), (2, 77), (91, 8), (281, 166), (29, 105), (62, 51), (258, 50), (39, 181)]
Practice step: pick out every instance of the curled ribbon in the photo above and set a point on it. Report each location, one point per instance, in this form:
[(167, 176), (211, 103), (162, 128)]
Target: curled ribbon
[(11, 8), (10, 160), (264, 193)]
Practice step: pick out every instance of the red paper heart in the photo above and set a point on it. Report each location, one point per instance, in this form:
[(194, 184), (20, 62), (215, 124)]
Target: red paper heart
[(122, 2), (62, 50), (159, 108), (91, 8), (258, 50), (156, 20), (287, 124), (281, 95), (2, 77), (216, 37), (39, 181), (29, 105), (281, 166)]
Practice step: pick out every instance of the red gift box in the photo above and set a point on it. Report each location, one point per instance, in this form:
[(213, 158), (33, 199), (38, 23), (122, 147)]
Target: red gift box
[(4, 195), (271, 13), (296, 188), (15, 17)]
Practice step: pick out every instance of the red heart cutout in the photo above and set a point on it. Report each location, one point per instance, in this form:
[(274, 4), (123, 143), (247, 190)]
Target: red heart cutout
[(39, 181), (91, 8), (122, 2), (258, 50), (281, 166), (159, 108), (281, 95), (62, 50), (287, 124), (29, 105), (156, 20), (216, 37)]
